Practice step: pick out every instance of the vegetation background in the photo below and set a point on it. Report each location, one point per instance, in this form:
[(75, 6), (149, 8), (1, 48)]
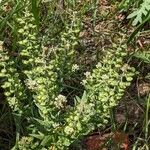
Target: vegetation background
[(74, 74)]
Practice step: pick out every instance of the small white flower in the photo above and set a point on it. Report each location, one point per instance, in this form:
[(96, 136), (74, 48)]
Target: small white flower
[(84, 82), (125, 67), (60, 101), (55, 125), (87, 74), (31, 84), (99, 65), (68, 130), (105, 77), (75, 67)]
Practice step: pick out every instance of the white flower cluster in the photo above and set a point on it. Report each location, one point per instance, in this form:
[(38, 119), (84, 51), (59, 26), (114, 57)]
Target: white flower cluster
[(60, 101), (75, 67), (31, 84)]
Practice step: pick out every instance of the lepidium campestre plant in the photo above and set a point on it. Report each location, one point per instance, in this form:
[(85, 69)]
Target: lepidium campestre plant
[(104, 87), (43, 75), (65, 51), (15, 91), (108, 81), (40, 79)]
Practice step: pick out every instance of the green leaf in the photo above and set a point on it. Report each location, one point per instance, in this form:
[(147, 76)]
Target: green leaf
[(35, 11), (38, 136), (138, 28), (47, 139), (140, 12), (133, 14)]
